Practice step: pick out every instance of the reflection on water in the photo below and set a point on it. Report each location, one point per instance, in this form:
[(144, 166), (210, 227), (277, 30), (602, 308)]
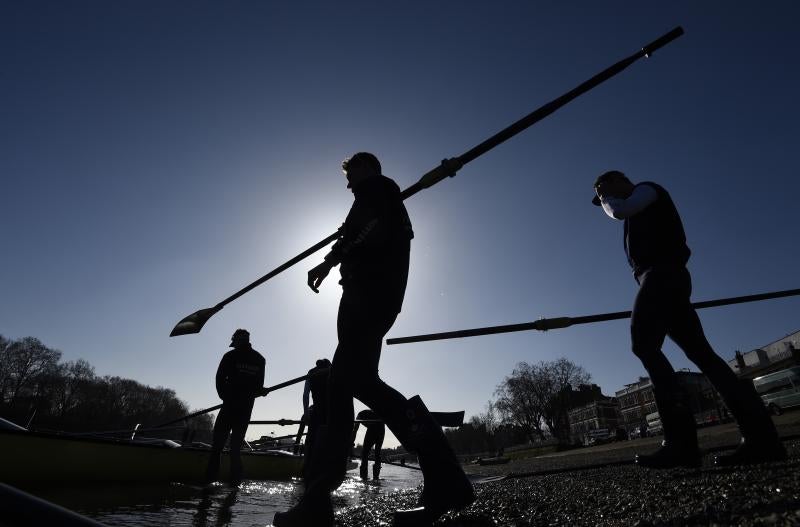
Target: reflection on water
[(253, 503)]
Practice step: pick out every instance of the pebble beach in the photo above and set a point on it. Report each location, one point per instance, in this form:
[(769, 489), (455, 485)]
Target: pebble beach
[(601, 486)]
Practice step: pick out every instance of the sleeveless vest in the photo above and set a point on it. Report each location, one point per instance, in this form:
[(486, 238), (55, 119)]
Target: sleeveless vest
[(654, 237)]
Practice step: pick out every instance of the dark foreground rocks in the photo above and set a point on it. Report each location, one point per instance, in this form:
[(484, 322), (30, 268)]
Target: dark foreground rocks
[(767, 494)]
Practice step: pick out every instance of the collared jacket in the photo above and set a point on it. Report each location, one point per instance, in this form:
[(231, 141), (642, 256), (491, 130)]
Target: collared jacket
[(374, 244), (240, 376)]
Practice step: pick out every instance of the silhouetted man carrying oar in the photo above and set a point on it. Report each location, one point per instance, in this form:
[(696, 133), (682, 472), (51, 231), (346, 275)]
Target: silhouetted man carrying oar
[(240, 379), (655, 244), (373, 251)]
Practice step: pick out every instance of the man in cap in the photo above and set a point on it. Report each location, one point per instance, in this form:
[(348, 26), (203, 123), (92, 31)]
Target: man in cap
[(373, 250), (655, 244), (240, 379)]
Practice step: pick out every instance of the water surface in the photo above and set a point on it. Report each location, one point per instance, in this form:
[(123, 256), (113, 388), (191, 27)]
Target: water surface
[(252, 503)]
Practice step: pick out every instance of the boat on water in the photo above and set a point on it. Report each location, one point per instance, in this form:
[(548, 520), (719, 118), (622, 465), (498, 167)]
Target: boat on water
[(43, 458)]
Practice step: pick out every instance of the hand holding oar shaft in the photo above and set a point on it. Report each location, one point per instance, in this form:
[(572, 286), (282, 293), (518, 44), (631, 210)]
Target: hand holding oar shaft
[(448, 168), (564, 322)]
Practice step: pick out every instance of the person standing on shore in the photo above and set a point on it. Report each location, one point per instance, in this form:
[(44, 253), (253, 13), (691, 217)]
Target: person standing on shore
[(314, 415), (240, 379), (655, 244), (373, 250), (376, 430)]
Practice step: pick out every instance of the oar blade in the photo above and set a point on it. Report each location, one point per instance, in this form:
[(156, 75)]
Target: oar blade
[(449, 419), (194, 322)]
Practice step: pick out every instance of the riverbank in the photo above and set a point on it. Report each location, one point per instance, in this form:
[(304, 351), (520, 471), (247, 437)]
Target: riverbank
[(600, 486)]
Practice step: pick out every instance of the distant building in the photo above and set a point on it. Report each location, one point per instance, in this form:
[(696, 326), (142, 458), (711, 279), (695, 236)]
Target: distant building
[(592, 413), (601, 416), (778, 355), (637, 400)]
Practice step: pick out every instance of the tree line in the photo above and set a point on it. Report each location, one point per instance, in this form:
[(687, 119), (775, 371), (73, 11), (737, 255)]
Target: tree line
[(40, 391)]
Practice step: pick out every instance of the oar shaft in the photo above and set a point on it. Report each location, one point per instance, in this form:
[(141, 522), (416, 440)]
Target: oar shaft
[(412, 467), (563, 322), (280, 422), (451, 166), (264, 392), (303, 255), (545, 110), (269, 439), (293, 381), (190, 416), (444, 419)]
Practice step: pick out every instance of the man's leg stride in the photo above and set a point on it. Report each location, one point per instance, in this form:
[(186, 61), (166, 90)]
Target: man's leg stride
[(650, 320), (760, 441)]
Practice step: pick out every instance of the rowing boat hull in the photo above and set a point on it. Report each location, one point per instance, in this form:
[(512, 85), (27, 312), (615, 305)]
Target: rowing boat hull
[(39, 458)]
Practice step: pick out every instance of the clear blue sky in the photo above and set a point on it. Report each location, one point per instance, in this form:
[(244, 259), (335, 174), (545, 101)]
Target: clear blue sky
[(157, 156)]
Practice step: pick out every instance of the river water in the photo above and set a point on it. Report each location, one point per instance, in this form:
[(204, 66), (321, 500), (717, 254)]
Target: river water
[(252, 503)]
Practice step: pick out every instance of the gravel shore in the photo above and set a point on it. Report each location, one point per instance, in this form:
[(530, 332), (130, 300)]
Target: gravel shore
[(599, 486)]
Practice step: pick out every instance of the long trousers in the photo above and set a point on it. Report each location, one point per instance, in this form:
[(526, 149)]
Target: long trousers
[(311, 451), (232, 420), (373, 438), (662, 308), (362, 323)]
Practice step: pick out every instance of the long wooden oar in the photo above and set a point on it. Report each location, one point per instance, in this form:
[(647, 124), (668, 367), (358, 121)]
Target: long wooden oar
[(264, 392), (564, 322), (279, 422), (445, 419), (448, 168), (270, 439), (412, 467), (450, 419)]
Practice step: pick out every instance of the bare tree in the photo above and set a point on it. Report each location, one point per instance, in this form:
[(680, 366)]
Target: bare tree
[(27, 359), (561, 375), (5, 377), (75, 378), (517, 402), (539, 395)]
